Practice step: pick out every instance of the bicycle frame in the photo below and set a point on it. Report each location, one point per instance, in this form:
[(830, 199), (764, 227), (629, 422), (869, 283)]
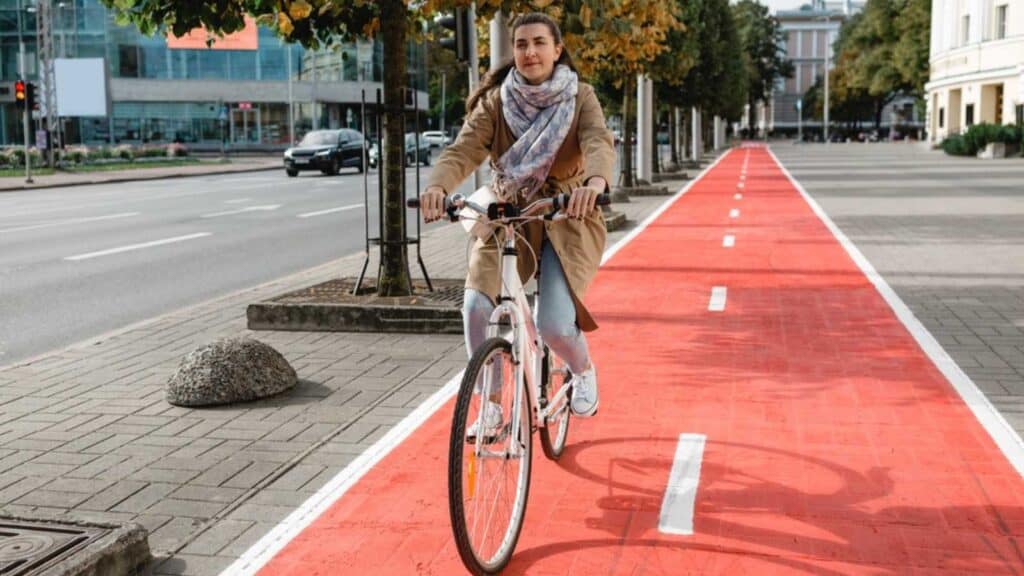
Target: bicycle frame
[(526, 340)]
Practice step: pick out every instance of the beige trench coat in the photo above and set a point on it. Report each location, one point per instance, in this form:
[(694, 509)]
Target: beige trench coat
[(588, 151)]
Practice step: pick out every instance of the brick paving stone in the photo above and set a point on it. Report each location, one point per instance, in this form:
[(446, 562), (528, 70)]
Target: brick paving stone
[(111, 496), (252, 475), (44, 497), (142, 500), (172, 533), (99, 465), (218, 537), (192, 565), (298, 477), (207, 493), (199, 509)]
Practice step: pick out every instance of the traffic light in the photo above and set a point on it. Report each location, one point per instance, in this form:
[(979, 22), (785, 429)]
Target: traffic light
[(20, 93), (30, 96), (459, 24)]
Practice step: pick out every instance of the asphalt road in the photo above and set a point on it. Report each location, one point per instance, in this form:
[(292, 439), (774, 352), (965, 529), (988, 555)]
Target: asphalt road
[(77, 262)]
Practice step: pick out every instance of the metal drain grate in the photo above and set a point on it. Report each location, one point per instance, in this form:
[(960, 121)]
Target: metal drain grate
[(27, 547)]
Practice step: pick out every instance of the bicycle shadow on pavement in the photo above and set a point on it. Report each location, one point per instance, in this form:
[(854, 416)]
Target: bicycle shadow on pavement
[(742, 515)]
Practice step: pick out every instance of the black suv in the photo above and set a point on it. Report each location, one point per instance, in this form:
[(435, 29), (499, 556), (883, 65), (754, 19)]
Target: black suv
[(326, 151)]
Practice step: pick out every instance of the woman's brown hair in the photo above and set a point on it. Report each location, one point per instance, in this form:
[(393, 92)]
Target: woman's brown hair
[(497, 76)]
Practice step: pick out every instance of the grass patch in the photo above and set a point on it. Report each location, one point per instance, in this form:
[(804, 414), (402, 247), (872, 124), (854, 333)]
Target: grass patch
[(84, 168), (88, 168), (14, 173)]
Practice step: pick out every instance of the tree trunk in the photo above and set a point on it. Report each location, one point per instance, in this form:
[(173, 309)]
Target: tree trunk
[(394, 279), (627, 147), (673, 137), (752, 118)]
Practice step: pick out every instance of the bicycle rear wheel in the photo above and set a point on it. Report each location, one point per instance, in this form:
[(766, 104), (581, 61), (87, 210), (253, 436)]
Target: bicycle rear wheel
[(488, 485), (555, 430)]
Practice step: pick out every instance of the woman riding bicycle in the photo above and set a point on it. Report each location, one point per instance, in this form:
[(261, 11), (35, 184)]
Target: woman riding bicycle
[(545, 134)]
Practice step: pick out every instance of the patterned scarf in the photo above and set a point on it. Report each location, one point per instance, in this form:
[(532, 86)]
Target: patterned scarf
[(539, 117)]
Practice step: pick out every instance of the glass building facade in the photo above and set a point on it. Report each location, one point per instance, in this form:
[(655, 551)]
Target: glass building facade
[(201, 97)]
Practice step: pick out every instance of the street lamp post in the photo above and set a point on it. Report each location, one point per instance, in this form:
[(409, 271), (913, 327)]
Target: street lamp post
[(828, 63), (24, 77)]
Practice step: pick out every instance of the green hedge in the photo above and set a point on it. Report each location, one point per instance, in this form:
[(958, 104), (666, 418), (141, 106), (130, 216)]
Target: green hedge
[(980, 135)]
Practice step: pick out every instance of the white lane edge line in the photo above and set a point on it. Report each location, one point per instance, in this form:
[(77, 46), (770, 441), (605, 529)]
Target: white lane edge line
[(236, 201), (329, 211), (681, 493), (265, 208), (609, 253), (718, 297), (1005, 437), (734, 213), (729, 241), (131, 247), (69, 222), (274, 541)]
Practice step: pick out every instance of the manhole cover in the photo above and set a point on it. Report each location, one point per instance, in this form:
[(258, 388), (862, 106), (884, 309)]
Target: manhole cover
[(27, 547)]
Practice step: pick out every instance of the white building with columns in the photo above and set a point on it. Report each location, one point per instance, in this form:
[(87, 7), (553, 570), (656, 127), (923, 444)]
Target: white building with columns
[(977, 65)]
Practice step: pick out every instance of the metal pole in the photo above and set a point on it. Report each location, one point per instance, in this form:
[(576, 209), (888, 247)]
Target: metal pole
[(291, 99), (443, 100), (26, 111), (828, 61), (474, 76), (800, 121)]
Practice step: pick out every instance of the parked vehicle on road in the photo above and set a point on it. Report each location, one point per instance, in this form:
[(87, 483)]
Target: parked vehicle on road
[(436, 138), (410, 151), (327, 151)]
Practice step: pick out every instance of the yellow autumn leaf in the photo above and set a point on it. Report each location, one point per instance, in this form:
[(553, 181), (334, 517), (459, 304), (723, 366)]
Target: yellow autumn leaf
[(585, 15), (299, 10), (284, 24)]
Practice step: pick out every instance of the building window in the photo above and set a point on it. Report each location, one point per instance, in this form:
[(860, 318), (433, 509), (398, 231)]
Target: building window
[(965, 29), (1020, 115), (942, 117), (128, 57), (969, 115), (1001, 22)]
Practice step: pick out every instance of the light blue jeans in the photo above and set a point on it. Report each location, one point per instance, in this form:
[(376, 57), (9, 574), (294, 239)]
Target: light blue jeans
[(554, 315)]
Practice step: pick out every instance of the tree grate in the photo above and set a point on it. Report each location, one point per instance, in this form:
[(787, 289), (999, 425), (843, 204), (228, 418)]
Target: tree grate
[(29, 548)]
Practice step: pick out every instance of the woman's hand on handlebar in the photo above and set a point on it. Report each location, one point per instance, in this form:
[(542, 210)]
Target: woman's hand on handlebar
[(584, 199), (432, 204)]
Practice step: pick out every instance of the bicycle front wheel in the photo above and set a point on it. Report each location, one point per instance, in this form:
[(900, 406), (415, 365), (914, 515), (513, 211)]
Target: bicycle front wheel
[(489, 464)]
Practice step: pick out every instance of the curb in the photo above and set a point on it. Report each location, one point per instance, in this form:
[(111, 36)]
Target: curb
[(140, 178), (328, 307)]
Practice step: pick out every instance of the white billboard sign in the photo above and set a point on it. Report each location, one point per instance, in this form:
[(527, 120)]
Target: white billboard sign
[(81, 86)]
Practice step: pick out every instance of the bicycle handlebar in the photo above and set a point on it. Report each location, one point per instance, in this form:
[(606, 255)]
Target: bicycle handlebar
[(454, 202)]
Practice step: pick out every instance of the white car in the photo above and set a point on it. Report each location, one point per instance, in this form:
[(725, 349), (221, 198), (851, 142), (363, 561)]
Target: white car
[(436, 138)]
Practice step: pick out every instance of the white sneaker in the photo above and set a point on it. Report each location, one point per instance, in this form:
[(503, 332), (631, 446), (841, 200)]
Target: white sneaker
[(490, 419), (584, 393)]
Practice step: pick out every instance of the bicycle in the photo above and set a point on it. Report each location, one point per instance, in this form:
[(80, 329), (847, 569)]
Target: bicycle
[(529, 374)]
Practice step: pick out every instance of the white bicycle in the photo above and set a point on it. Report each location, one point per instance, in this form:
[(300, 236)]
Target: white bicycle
[(489, 473)]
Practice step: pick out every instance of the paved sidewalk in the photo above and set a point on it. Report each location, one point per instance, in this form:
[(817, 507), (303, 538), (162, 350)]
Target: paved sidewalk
[(85, 432), (207, 167)]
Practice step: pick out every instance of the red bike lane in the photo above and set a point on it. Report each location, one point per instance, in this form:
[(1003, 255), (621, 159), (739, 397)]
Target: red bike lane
[(832, 443)]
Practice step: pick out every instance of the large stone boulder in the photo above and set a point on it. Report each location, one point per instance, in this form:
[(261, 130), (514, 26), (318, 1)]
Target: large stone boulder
[(230, 370)]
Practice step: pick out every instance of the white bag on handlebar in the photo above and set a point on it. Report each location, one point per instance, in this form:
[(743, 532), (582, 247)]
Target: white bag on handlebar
[(476, 224)]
